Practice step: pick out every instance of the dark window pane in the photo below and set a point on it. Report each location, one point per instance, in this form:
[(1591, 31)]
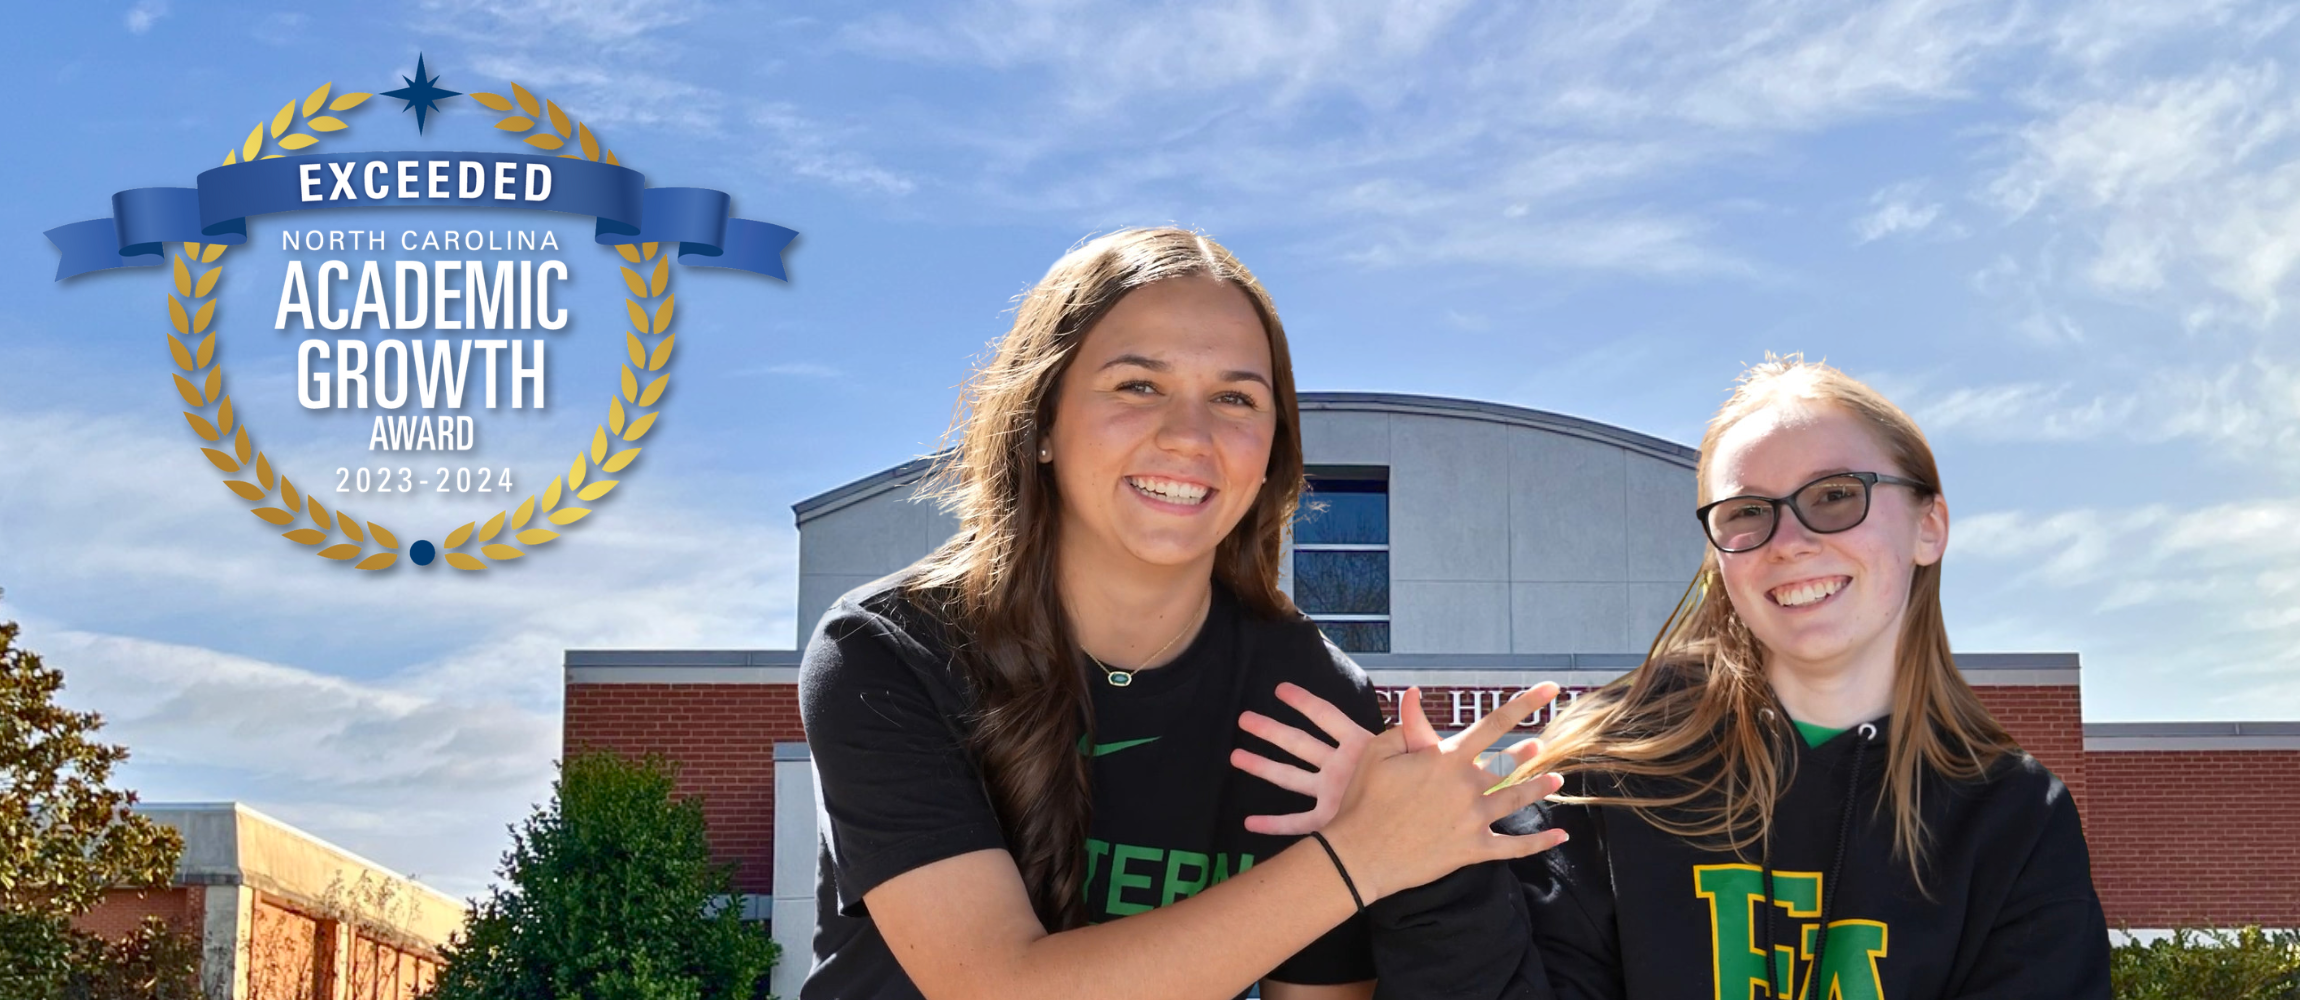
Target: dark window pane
[(1342, 583), (1358, 637), (1349, 516)]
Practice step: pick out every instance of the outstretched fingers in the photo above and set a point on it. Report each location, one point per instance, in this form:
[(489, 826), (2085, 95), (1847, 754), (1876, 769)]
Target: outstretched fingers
[(1525, 845), (1414, 726), (1322, 713), (1286, 776), (1308, 748), (1489, 730), (1502, 800)]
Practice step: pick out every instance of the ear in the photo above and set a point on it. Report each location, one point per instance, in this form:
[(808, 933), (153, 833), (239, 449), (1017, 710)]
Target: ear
[(1932, 531)]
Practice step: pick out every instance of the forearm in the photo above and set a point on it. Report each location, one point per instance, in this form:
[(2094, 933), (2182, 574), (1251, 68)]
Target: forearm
[(1212, 945)]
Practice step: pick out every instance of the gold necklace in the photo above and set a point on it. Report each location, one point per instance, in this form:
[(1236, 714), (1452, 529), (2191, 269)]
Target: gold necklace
[(1122, 678)]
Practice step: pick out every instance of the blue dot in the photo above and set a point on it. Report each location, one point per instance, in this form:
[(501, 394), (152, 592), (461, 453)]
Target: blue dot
[(421, 552)]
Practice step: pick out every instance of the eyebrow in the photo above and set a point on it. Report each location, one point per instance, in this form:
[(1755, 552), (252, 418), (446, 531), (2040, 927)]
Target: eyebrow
[(1138, 361), (1739, 490)]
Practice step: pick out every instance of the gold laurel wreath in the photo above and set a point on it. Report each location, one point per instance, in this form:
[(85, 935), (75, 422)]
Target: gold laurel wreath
[(191, 316)]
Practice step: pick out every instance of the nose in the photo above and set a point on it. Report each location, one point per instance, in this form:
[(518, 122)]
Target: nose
[(1187, 427), (1790, 535)]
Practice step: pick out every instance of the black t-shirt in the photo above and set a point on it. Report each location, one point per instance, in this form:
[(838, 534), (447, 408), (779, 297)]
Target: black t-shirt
[(887, 716)]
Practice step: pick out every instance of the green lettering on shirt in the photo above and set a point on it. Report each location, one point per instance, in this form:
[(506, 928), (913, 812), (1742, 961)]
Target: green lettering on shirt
[(1095, 849), (1222, 866), (1849, 970), (1738, 965), (1178, 887), (1120, 880), (1145, 878)]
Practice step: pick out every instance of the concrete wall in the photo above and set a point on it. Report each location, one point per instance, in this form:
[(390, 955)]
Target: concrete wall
[(852, 545), (1508, 536)]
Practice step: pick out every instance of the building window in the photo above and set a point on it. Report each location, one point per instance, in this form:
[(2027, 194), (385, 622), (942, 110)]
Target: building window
[(1342, 556)]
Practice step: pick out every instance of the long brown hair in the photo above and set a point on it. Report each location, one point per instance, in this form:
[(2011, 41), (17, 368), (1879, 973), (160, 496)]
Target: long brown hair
[(994, 581), (1699, 714)]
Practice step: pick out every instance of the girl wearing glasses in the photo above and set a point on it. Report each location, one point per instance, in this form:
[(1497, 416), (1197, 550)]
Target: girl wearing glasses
[(1021, 741), (1797, 795)]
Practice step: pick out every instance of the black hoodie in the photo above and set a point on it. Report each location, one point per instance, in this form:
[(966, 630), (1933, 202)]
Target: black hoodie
[(1625, 911)]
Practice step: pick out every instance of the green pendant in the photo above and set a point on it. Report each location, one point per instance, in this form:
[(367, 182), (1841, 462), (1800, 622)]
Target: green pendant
[(1121, 678)]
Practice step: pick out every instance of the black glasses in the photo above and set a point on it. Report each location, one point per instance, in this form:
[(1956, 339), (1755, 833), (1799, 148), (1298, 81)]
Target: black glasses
[(1827, 505)]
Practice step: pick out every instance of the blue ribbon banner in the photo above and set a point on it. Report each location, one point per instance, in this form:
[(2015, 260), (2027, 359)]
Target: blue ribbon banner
[(626, 209)]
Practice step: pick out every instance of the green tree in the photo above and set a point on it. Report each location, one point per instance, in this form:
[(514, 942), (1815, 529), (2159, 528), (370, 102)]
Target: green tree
[(610, 895), (65, 835), (2243, 964)]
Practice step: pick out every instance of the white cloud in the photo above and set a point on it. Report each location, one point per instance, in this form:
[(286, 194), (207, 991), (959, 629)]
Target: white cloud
[(418, 782), (802, 369), (613, 64), (2158, 592), (280, 27), (799, 145), (407, 717), (596, 21), (611, 94), (2187, 184), (1896, 209), (1523, 137), (146, 13), (2249, 411)]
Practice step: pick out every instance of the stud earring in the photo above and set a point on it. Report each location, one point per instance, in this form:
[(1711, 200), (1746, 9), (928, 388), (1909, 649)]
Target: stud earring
[(1045, 455)]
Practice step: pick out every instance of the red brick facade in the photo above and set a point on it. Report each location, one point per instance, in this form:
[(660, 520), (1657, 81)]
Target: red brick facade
[(2047, 721), (2196, 837), (122, 911), (723, 738), (2176, 836)]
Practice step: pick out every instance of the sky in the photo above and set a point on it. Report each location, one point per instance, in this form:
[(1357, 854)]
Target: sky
[(2061, 236)]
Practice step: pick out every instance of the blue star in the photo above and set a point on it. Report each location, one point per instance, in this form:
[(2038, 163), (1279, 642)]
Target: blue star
[(420, 94)]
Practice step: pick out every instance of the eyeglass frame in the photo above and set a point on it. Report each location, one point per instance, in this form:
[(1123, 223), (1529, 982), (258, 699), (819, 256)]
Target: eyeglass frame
[(1869, 480)]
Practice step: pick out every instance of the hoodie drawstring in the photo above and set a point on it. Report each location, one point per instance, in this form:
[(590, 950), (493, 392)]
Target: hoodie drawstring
[(1836, 870)]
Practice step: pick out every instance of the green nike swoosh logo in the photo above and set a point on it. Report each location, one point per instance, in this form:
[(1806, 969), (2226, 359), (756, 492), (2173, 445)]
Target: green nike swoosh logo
[(1099, 749)]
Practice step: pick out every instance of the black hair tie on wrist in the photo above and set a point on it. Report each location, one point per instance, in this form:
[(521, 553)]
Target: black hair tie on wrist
[(1345, 873)]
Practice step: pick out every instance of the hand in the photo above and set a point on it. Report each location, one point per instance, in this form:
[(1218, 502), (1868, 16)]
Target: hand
[(1410, 816), (1331, 765)]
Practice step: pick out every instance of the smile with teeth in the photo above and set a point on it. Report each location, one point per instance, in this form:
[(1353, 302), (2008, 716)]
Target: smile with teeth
[(1810, 591), (1169, 490)]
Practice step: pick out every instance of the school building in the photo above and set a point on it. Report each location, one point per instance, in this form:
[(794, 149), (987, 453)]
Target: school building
[(279, 914), (1472, 549)]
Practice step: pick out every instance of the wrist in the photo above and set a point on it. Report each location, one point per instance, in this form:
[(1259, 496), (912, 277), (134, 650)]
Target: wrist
[(1353, 862)]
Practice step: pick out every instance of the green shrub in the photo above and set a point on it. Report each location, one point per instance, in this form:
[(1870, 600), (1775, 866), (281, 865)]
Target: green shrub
[(2246, 964), (610, 896)]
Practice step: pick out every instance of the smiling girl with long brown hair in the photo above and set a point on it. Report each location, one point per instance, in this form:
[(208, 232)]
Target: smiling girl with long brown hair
[(1022, 741)]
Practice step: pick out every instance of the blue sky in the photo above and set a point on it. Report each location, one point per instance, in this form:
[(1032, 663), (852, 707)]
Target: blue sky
[(2061, 236)]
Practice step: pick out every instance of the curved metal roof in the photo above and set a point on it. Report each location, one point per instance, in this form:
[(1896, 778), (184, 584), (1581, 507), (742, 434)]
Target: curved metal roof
[(912, 471)]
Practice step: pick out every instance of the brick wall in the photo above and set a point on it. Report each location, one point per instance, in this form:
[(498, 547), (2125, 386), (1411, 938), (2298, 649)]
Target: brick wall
[(2195, 837), (722, 735), (380, 970), (2047, 721), (287, 953), (121, 910), (2176, 837)]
